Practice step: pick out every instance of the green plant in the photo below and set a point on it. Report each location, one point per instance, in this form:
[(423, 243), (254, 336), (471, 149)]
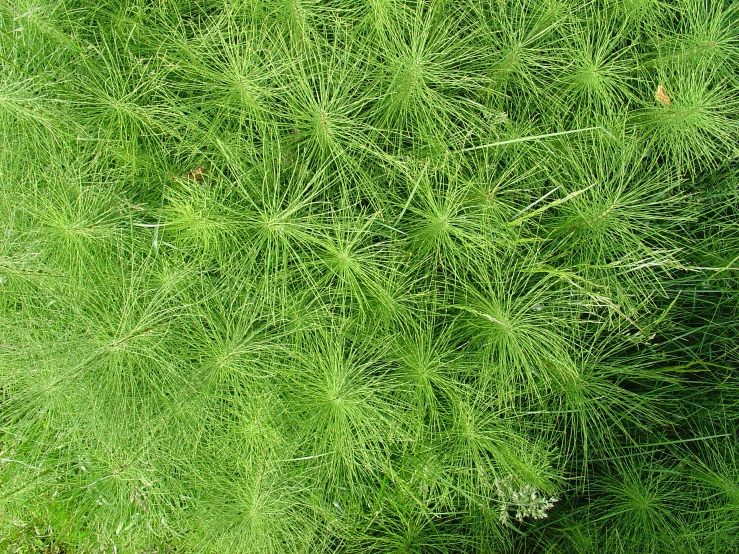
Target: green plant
[(392, 276)]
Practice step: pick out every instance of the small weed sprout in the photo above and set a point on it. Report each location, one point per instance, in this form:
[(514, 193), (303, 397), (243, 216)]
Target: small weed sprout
[(526, 501)]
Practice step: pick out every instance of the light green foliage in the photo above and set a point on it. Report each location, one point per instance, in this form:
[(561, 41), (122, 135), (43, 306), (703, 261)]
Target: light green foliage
[(300, 276)]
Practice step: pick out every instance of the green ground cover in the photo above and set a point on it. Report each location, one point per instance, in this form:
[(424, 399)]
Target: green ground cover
[(369, 276)]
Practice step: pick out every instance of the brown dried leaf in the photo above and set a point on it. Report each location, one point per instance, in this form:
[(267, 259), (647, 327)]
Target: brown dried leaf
[(196, 174), (661, 96), (136, 497)]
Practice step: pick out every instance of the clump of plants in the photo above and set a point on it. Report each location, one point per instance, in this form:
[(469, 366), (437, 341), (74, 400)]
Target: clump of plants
[(387, 276)]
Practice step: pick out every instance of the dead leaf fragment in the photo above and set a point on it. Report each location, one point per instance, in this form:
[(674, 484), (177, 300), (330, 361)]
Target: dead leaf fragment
[(196, 174), (136, 497), (661, 96)]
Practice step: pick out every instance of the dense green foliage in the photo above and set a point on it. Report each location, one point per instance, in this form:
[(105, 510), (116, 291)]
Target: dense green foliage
[(375, 276)]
